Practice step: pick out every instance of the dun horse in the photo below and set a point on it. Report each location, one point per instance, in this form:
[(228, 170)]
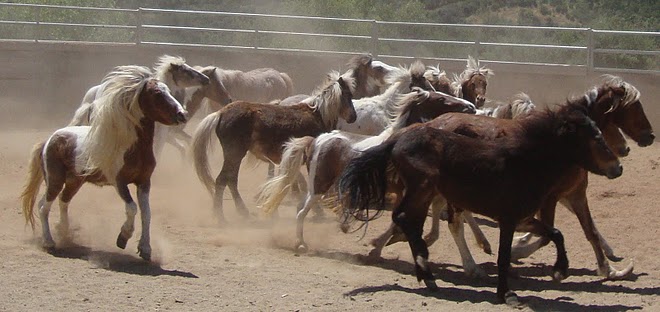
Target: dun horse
[(116, 149), (537, 153), (327, 155), (262, 129)]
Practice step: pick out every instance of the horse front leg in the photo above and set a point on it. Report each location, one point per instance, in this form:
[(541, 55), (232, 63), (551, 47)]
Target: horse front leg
[(479, 236), (437, 206), (504, 294), (131, 210), (560, 268), (144, 246), (457, 232), (579, 205)]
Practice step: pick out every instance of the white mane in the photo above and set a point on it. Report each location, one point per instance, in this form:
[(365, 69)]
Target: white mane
[(327, 98), (117, 115), (472, 68), (163, 69)]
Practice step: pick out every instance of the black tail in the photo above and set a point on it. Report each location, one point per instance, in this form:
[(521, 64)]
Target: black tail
[(363, 183)]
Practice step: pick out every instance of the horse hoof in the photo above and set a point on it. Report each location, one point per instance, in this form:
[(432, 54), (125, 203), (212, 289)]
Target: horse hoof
[(559, 275), (486, 248), (302, 248), (614, 258), (121, 241), (145, 255), (431, 285), (511, 299)]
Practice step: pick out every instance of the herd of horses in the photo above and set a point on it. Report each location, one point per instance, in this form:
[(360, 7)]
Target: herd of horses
[(375, 137)]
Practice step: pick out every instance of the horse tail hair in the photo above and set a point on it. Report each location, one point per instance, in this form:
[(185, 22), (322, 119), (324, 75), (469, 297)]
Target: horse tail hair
[(363, 184), (33, 183), (82, 116), (200, 143), (289, 85), (273, 192)]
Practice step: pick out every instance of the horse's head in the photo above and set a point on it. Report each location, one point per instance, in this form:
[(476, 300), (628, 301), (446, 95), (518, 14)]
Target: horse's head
[(159, 105), (438, 79), (588, 144), (215, 90), (185, 76), (473, 82), (421, 106), (346, 109), (439, 103)]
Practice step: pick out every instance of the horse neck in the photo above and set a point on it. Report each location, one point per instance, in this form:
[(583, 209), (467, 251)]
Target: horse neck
[(389, 98), (194, 102)]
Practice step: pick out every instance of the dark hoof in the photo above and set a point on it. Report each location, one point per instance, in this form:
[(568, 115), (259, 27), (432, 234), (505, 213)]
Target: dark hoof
[(559, 275), (431, 285), (614, 258), (121, 241), (145, 255), (511, 299)]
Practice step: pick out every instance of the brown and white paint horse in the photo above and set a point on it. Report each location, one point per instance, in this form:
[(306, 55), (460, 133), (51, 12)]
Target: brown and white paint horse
[(262, 130), (116, 149)]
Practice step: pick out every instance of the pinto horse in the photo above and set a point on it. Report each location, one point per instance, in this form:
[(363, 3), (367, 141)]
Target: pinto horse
[(537, 153), (116, 149), (327, 155), (262, 130), (471, 84)]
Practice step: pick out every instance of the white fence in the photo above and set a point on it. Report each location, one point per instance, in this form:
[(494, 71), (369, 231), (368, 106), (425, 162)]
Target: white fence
[(589, 49)]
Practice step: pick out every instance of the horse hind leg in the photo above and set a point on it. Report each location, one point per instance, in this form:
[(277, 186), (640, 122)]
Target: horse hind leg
[(54, 184), (457, 230), (70, 189), (479, 236), (311, 200), (229, 177)]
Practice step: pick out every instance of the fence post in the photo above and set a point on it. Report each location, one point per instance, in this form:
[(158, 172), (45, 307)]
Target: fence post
[(477, 43), (138, 26), (37, 27), (374, 38), (590, 51), (256, 39)]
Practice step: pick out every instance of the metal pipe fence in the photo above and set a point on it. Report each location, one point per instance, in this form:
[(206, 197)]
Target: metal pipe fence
[(593, 50)]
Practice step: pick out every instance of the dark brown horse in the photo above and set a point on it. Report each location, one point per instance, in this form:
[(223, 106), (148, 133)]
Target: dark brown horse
[(327, 155), (514, 173), (262, 129), (116, 149)]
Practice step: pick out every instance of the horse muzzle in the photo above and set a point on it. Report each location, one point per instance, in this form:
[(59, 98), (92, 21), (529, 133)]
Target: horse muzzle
[(614, 172), (646, 140), (181, 117)]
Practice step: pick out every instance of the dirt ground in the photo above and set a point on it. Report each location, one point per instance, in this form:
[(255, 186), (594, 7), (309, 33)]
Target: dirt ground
[(251, 265)]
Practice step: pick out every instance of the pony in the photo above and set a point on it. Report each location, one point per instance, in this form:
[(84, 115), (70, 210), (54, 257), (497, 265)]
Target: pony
[(171, 70), (374, 114), (262, 130), (613, 104), (520, 105), (438, 79), (370, 78), (261, 85), (326, 155), (471, 84), (192, 98), (537, 153), (116, 149)]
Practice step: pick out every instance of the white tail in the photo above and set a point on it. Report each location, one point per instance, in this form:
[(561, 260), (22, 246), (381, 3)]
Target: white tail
[(274, 190), (200, 143)]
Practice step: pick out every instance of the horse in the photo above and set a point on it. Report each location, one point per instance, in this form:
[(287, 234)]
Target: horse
[(192, 99), (115, 149), (369, 75), (538, 152), (326, 155), (519, 106), (261, 85), (172, 70), (612, 105), (262, 130), (374, 114), (439, 80), (471, 84)]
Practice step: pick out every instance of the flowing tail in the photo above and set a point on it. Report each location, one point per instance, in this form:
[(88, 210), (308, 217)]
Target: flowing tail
[(82, 116), (273, 192), (289, 85), (363, 184), (200, 143), (32, 185)]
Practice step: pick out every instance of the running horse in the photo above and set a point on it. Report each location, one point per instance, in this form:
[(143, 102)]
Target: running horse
[(326, 156), (471, 84), (116, 149), (262, 130), (438, 79), (536, 154)]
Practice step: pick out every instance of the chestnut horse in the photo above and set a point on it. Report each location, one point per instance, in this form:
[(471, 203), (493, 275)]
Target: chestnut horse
[(262, 130), (116, 149), (471, 84), (327, 155), (537, 152), (438, 79)]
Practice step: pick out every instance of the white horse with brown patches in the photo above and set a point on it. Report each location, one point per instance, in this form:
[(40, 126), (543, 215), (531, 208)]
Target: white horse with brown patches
[(116, 149)]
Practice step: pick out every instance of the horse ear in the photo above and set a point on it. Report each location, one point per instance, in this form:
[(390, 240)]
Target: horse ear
[(341, 82)]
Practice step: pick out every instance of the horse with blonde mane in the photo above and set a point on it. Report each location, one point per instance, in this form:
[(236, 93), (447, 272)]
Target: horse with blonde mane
[(262, 130), (471, 84), (327, 155), (116, 149), (439, 80)]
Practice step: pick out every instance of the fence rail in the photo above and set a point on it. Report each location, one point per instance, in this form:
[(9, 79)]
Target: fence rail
[(593, 50)]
